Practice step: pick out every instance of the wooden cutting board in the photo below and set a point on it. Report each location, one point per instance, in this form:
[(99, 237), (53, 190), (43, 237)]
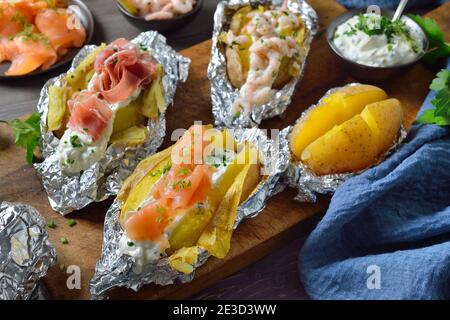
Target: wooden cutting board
[(282, 220)]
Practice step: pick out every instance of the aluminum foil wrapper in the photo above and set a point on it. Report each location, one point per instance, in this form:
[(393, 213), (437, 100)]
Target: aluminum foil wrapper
[(104, 178), (116, 270), (307, 183), (25, 251), (223, 94)]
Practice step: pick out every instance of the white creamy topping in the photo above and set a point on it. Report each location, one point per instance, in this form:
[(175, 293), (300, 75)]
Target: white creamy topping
[(376, 50), (148, 252), (77, 151)]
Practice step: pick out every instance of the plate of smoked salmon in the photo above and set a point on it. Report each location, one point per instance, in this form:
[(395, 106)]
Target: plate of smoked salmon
[(37, 36)]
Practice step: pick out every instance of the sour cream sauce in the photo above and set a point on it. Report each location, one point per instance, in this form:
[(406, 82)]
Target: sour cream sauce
[(376, 50)]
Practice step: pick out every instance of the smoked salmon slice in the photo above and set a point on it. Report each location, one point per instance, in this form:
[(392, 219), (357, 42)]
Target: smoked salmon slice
[(61, 28), (35, 33), (149, 223), (27, 55), (179, 189), (89, 114)]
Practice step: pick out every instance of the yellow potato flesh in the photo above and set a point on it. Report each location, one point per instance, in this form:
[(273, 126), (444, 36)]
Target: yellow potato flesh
[(153, 102), (130, 137), (127, 117), (385, 119), (141, 191), (184, 259), (216, 238), (348, 147), (334, 110), (56, 107)]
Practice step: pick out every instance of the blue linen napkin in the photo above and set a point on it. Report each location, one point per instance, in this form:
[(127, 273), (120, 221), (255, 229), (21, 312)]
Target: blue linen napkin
[(386, 234), (389, 4)]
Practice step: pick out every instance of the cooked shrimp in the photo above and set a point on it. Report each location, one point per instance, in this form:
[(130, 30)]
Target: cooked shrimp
[(163, 9), (265, 61), (183, 6)]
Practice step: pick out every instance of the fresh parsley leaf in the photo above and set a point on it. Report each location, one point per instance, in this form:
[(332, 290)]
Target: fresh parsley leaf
[(438, 47), (442, 103), (27, 134), (441, 81), (51, 224), (71, 222), (441, 114)]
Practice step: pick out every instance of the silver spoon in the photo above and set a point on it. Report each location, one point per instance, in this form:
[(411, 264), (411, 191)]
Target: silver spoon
[(399, 11)]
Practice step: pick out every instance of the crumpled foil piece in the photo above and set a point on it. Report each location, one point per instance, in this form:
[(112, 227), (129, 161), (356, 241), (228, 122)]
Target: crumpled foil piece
[(116, 270), (25, 251), (223, 94), (307, 183), (104, 178)]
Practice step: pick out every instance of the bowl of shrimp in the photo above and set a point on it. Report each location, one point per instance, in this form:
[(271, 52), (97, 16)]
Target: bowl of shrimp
[(160, 15)]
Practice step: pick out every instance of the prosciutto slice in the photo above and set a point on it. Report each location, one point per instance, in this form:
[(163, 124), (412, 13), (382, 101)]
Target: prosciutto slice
[(89, 114), (121, 69)]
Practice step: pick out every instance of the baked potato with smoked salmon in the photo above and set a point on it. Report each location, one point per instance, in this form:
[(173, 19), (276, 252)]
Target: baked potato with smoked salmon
[(184, 199)]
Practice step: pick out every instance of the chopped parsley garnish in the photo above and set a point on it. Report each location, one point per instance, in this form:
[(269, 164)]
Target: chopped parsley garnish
[(167, 167), (143, 47), (130, 243), (184, 171), (64, 240), (234, 43), (373, 25), (51, 224), (182, 184), (71, 222), (237, 114), (75, 141)]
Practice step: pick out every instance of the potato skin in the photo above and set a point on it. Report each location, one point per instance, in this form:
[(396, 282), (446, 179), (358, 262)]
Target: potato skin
[(385, 118), (346, 148)]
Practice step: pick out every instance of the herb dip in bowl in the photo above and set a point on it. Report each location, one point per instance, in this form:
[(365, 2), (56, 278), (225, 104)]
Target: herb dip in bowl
[(373, 47)]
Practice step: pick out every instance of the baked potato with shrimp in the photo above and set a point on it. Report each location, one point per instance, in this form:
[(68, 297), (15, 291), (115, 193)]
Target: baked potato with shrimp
[(263, 52)]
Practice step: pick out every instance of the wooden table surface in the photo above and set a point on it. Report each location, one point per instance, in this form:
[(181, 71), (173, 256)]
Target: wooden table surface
[(255, 282)]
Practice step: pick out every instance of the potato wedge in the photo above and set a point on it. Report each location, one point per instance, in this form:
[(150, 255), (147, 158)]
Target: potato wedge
[(57, 102), (184, 259), (217, 236), (128, 117), (153, 102), (130, 137), (384, 119), (348, 147)]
